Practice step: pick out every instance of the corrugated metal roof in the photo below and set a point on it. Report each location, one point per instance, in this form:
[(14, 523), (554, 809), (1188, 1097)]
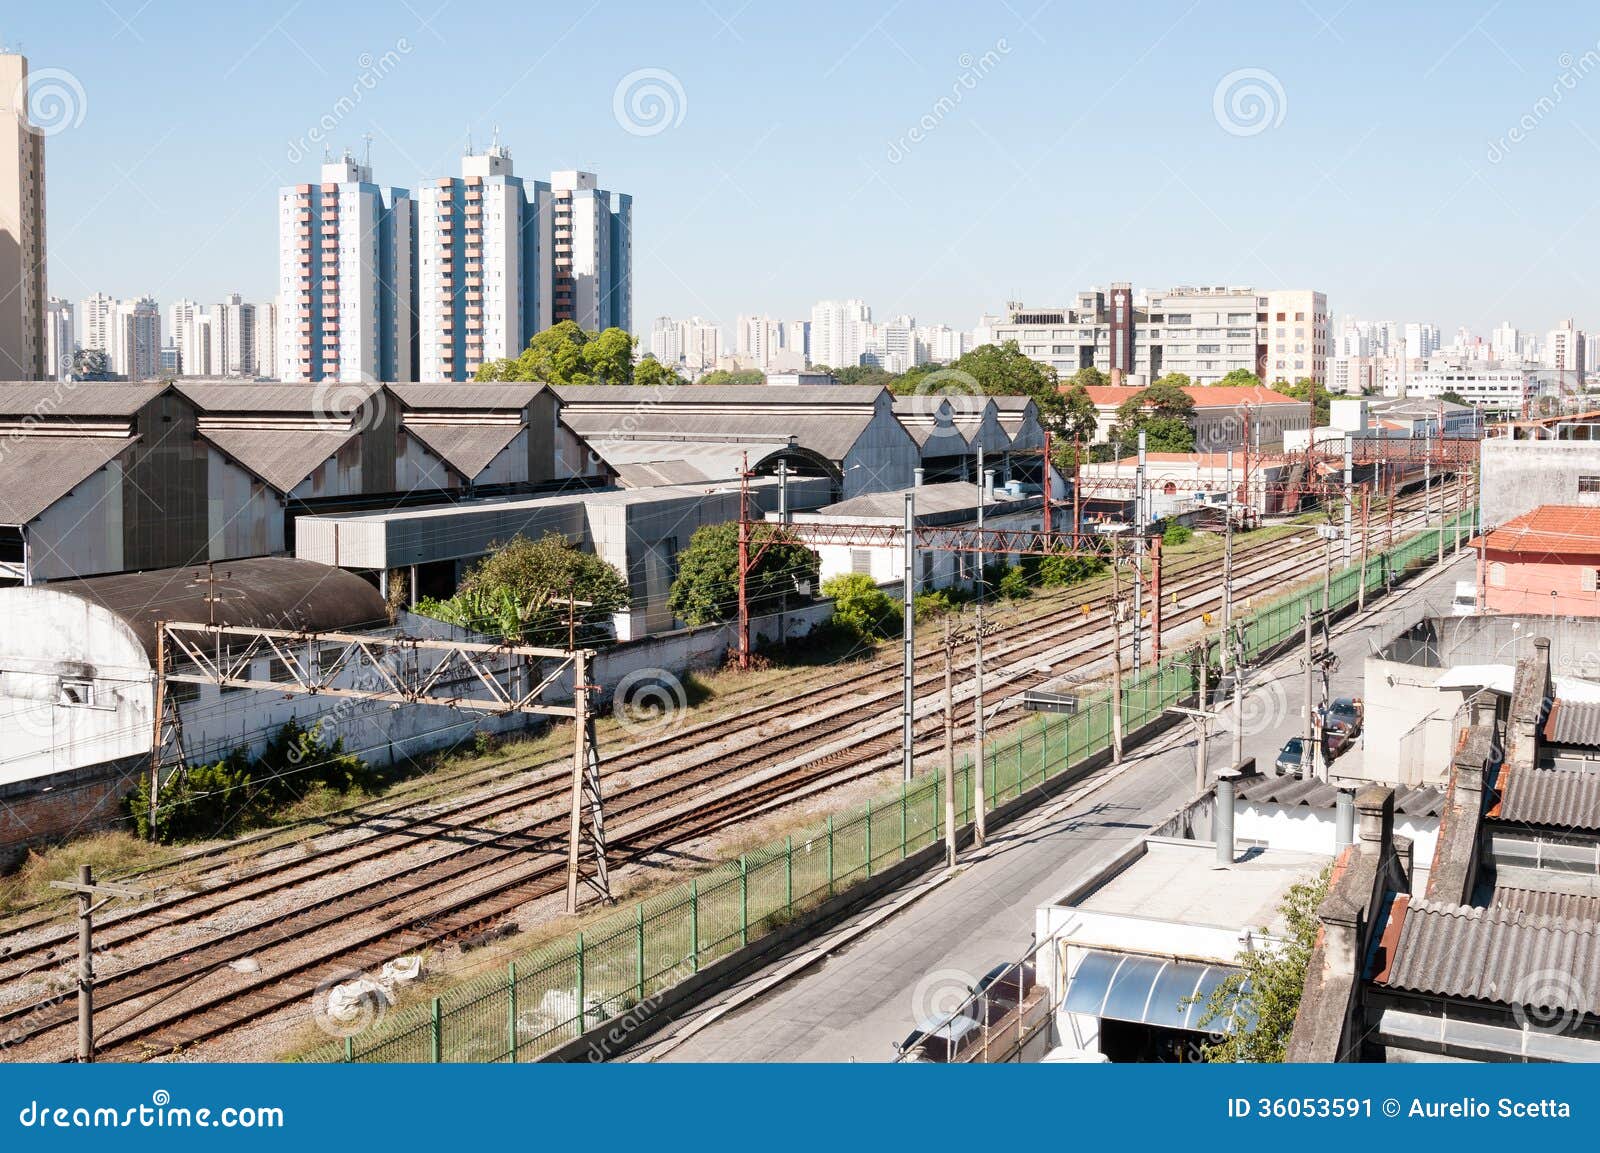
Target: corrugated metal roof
[(37, 471), (283, 458), (1574, 723), (264, 592), (1542, 903), (468, 448), (830, 436), (1554, 798), (475, 395), (47, 398), (1500, 955), (327, 397), (732, 394), (953, 496), (1294, 791), (652, 474)]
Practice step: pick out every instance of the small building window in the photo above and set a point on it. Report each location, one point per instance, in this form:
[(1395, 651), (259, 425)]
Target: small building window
[(1497, 575), (860, 560), (1589, 484), (1587, 579), (76, 693)]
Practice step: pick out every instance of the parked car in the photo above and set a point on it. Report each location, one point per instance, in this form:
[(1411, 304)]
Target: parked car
[(1335, 742), (1344, 716), (940, 1041), (1001, 990), (1465, 603), (1291, 758)]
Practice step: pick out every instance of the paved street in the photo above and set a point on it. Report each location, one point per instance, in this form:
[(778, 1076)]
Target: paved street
[(858, 1000)]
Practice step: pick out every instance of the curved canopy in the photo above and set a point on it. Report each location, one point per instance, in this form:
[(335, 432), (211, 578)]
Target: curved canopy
[(1151, 991)]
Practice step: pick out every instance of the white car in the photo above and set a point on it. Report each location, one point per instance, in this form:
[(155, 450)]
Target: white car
[(1465, 603)]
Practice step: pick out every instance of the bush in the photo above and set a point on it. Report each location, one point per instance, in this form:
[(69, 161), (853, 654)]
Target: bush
[(237, 793), (932, 606), (861, 607), (1176, 534), (1059, 571), (1013, 585)]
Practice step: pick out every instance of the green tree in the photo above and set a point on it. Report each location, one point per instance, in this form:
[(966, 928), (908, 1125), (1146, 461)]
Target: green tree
[(567, 354), (1089, 377), (1162, 412), (651, 373), (707, 587), (862, 374), (1452, 396), (861, 607), (1304, 389), (518, 591), (1078, 421), (1240, 378), (744, 376), (1267, 989)]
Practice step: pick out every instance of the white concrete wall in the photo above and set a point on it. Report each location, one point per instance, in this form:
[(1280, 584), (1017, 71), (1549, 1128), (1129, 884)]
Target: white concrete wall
[(1407, 725), (244, 517)]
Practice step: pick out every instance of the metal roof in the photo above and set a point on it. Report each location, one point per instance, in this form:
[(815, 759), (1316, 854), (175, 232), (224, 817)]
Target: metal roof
[(281, 457), (1556, 798), (264, 592), (1574, 723), (37, 471), (731, 394), (468, 448), (1293, 791), (472, 394), (49, 398), (931, 499), (831, 436), (327, 397), (1543, 903), (1501, 955)]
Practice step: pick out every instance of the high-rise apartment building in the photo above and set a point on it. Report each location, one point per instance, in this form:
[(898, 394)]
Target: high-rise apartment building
[(838, 332), (60, 338), (346, 277), (1564, 352), (1297, 336), (592, 252), (666, 341), (136, 339), (267, 340), (24, 349), (181, 318), (759, 339), (234, 325), (484, 266)]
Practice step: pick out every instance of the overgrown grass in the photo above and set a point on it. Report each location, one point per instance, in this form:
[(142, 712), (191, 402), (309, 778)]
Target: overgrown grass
[(110, 854)]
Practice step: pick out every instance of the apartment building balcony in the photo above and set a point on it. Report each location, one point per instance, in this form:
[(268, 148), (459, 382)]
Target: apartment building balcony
[(302, 215), (473, 253), (474, 297), (474, 311), (331, 189), (474, 281)]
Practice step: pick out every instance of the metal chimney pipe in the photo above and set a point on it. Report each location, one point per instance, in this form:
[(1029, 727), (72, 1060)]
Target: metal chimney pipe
[(916, 478), (1344, 821), (1222, 822)]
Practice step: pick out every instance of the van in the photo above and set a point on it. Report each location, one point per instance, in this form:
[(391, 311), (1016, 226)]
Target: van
[(1465, 603)]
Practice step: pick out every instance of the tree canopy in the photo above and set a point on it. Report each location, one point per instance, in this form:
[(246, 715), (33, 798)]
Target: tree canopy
[(568, 354), (1162, 412), (651, 373), (1240, 378), (707, 587), (519, 591), (1304, 389), (746, 376), (1269, 984)]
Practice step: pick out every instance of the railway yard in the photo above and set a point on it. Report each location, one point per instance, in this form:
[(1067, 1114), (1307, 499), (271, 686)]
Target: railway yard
[(226, 960)]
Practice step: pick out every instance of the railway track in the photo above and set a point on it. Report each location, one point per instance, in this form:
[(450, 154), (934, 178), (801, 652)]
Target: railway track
[(492, 872)]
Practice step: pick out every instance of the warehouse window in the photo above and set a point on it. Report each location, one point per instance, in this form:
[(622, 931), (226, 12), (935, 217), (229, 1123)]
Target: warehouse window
[(1589, 484), (77, 693), (860, 560)]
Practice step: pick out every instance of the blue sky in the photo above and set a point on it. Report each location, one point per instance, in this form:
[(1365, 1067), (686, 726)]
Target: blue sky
[(1086, 146)]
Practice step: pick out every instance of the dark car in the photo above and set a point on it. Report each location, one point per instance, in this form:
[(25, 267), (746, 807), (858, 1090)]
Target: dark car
[(1344, 716), (1291, 758), (1001, 990)]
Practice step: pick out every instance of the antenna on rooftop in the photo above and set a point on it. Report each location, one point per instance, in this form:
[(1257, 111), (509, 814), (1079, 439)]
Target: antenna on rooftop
[(366, 155), (469, 140)]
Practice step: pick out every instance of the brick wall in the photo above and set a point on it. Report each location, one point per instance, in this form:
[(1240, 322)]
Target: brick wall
[(44, 810)]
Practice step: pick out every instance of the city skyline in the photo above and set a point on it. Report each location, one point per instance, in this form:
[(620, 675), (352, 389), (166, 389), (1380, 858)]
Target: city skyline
[(1205, 168)]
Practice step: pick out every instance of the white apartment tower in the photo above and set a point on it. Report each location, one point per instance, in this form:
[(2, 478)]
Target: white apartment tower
[(24, 353), (234, 328), (1297, 336), (592, 253), (483, 280), (346, 274), (838, 335), (181, 318), (97, 311), (267, 340), (1563, 351), (60, 338), (136, 339)]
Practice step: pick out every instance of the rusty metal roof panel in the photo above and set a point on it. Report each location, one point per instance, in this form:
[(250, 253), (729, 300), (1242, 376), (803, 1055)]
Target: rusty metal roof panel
[(1574, 723), (1500, 955)]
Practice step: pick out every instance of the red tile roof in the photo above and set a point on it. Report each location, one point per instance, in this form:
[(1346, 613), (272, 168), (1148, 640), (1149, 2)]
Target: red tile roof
[(1550, 529)]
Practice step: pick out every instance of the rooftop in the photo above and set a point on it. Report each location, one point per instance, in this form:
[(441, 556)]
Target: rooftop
[(1552, 529), (35, 472), (1178, 881), (1573, 723), (718, 394), (49, 398), (930, 500), (1559, 798), (1203, 395), (1310, 793)]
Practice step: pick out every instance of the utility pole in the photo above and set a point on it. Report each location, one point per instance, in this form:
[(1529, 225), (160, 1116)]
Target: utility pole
[(1308, 755), (1238, 700), (585, 787), (1155, 600), (1118, 607), (1139, 513), (949, 748), (978, 824), (783, 492), (744, 562), (1205, 722), (909, 629), (1077, 482), (1227, 561), (1046, 485), (86, 890), (1349, 495), (1361, 585)]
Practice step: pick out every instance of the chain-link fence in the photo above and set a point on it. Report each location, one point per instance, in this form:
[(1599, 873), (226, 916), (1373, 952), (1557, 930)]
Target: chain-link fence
[(613, 969)]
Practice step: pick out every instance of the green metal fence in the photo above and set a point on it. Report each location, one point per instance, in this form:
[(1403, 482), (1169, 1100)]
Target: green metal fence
[(554, 993)]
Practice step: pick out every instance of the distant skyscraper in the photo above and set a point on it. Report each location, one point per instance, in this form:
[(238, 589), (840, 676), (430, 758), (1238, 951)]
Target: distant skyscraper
[(60, 338), (592, 252), (95, 322), (759, 339), (267, 340), (837, 336), (136, 339), (798, 339), (346, 274), (666, 341), (23, 342), (1506, 342), (234, 329), (483, 271), (1422, 341), (181, 318), (1563, 351)]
